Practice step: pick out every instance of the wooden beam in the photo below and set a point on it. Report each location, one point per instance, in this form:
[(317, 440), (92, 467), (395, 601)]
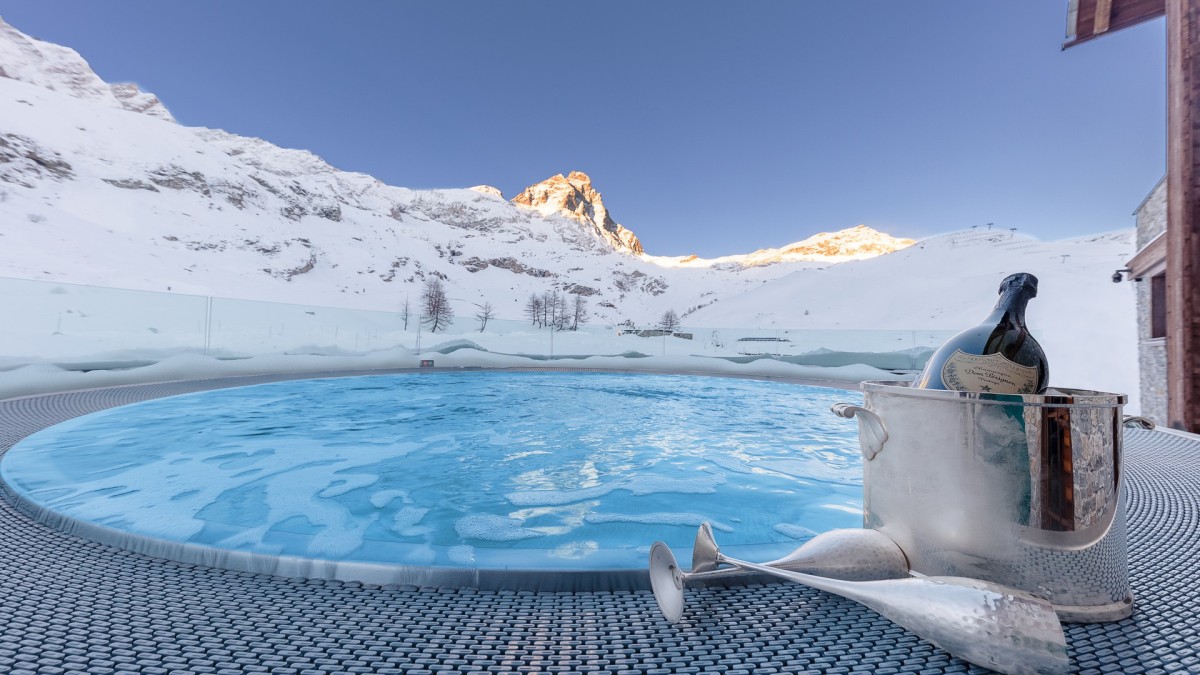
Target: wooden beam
[(1183, 214), (1103, 15), (1087, 19)]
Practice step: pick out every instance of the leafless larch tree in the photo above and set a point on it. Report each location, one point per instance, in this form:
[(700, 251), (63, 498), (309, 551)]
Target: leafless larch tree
[(435, 306)]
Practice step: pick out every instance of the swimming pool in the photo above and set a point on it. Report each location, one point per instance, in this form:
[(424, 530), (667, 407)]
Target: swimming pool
[(567, 472)]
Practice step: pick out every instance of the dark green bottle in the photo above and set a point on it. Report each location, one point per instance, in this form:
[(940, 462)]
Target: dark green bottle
[(999, 355)]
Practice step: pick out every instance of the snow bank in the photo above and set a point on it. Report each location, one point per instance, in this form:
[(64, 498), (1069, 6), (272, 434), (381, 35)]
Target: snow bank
[(44, 379)]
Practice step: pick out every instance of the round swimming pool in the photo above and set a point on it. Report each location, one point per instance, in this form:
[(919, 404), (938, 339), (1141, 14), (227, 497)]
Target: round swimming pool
[(471, 470)]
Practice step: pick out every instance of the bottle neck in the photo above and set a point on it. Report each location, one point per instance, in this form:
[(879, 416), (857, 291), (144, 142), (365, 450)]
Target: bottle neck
[(1011, 305)]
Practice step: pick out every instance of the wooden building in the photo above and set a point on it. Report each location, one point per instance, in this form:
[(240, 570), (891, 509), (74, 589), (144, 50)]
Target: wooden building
[(1180, 276)]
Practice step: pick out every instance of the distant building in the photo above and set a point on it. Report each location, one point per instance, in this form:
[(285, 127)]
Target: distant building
[(1149, 266)]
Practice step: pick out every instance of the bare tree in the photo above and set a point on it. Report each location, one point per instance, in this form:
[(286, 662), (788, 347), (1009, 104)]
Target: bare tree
[(669, 321), (486, 311), (533, 310), (404, 313), (435, 306), (578, 312), (550, 303), (562, 315)]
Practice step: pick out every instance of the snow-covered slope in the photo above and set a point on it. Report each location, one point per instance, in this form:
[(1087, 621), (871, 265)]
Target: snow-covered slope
[(939, 282), (99, 186), (1085, 322)]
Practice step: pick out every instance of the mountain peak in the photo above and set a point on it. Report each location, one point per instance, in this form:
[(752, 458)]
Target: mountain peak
[(574, 197), (62, 69), (488, 190)]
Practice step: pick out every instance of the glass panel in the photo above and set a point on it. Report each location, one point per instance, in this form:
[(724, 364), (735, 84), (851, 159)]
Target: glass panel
[(93, 327), (243, 328)]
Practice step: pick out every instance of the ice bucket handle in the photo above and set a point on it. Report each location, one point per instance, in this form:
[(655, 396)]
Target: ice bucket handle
[(1135, 422), (871, 432)]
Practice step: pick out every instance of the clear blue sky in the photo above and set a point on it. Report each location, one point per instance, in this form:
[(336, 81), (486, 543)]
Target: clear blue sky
[(710, 127)]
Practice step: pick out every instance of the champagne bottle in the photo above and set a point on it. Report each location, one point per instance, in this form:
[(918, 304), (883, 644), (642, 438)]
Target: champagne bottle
[(999, 355)]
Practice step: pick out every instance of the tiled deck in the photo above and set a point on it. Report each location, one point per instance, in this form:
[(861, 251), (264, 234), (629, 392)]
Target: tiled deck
[(67, 604)]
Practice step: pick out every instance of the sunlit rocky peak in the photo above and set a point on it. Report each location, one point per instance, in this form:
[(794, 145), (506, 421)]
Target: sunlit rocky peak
[(574, 197), (488, 190), (853, 243)]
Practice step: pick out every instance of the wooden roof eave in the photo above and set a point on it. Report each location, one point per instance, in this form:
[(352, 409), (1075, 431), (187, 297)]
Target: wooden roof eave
[(1151, 256), (1089, 19)]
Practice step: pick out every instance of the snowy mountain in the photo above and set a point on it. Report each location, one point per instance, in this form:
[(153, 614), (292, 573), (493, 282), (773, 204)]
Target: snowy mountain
[(86, 182), (98, 185)]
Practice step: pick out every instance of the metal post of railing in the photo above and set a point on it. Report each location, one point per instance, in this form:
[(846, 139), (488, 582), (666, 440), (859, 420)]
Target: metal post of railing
[(207, 324)]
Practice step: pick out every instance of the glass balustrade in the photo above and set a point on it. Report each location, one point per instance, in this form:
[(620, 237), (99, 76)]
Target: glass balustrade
[(88, 327)]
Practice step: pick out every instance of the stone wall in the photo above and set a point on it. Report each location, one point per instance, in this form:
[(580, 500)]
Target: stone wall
[(1152, 352), (1152, 215)]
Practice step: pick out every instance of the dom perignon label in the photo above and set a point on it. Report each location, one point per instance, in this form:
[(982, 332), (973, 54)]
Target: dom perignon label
[(992, 373)]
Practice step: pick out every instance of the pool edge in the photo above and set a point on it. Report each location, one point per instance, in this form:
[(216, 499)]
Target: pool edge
[(375, 574)]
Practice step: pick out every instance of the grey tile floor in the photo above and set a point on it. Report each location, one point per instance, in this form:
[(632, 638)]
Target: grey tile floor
[(67, 604)]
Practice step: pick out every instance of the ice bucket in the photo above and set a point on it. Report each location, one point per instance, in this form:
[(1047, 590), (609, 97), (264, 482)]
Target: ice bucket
[(1024, 490)]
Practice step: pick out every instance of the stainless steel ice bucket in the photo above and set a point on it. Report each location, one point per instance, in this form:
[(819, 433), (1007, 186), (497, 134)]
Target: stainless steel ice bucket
[(1023, 490)]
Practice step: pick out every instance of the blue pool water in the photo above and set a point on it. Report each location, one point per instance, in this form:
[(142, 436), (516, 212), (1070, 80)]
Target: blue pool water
[(479, 470)]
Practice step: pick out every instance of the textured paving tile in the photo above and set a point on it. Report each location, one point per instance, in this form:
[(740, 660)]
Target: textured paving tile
[(68, 605)]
